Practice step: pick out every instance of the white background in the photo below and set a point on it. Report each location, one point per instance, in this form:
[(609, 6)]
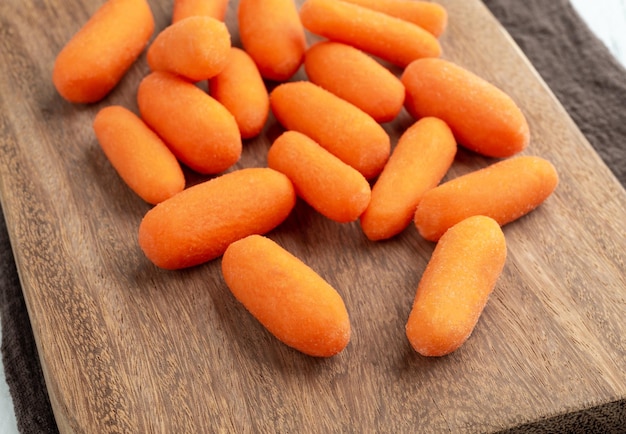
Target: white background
[(607, 18)]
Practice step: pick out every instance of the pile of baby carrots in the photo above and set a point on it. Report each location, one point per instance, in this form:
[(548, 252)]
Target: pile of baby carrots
[(334, 153)]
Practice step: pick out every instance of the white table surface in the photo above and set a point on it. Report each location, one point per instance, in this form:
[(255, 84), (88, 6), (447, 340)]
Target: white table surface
[(607, 18)]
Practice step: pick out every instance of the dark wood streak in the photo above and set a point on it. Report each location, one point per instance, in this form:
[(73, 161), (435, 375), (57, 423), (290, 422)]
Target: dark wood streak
[(127, 347)]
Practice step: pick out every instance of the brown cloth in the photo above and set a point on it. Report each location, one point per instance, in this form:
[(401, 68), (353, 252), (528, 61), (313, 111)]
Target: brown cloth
[(581, 72)]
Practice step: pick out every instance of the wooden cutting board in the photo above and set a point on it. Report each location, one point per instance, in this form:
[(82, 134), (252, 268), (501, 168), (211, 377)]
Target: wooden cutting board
[(127, 347)]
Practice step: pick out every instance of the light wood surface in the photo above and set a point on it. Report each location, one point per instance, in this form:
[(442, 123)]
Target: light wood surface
[(126, 347)]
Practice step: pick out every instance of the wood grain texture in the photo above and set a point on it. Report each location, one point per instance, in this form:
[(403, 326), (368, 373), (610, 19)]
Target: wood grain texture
[(126, 347)]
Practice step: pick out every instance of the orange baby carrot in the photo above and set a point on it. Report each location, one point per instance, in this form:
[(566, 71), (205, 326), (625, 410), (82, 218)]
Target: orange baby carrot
[(197, 224), (389, 38), (504, 191), (482, 117), (420, 160), (96, 58), (196, 48), (205, 8), (240, 88), (198, 129), (338, 126), (292, 301), (456, 285), (428, 15), (354, 76), (138, 155), (271, 32), (329, 185)]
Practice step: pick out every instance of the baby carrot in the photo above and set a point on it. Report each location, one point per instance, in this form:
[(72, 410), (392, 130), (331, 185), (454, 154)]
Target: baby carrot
[(389, 38), (292, 301), (456, 285), (198, 129), (428, 15), (271, 32), (138, 155), (338, 126), (354, 76), (196, 48), (205, 8), (503, 191), (240, 88), (96, 58), (482, 117), (420, 160), (197, 224), (329, 185)]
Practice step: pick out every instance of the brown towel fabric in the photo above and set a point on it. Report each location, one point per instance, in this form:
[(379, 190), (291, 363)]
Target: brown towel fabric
[(19, 353), (576, 65), (580, 71)]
